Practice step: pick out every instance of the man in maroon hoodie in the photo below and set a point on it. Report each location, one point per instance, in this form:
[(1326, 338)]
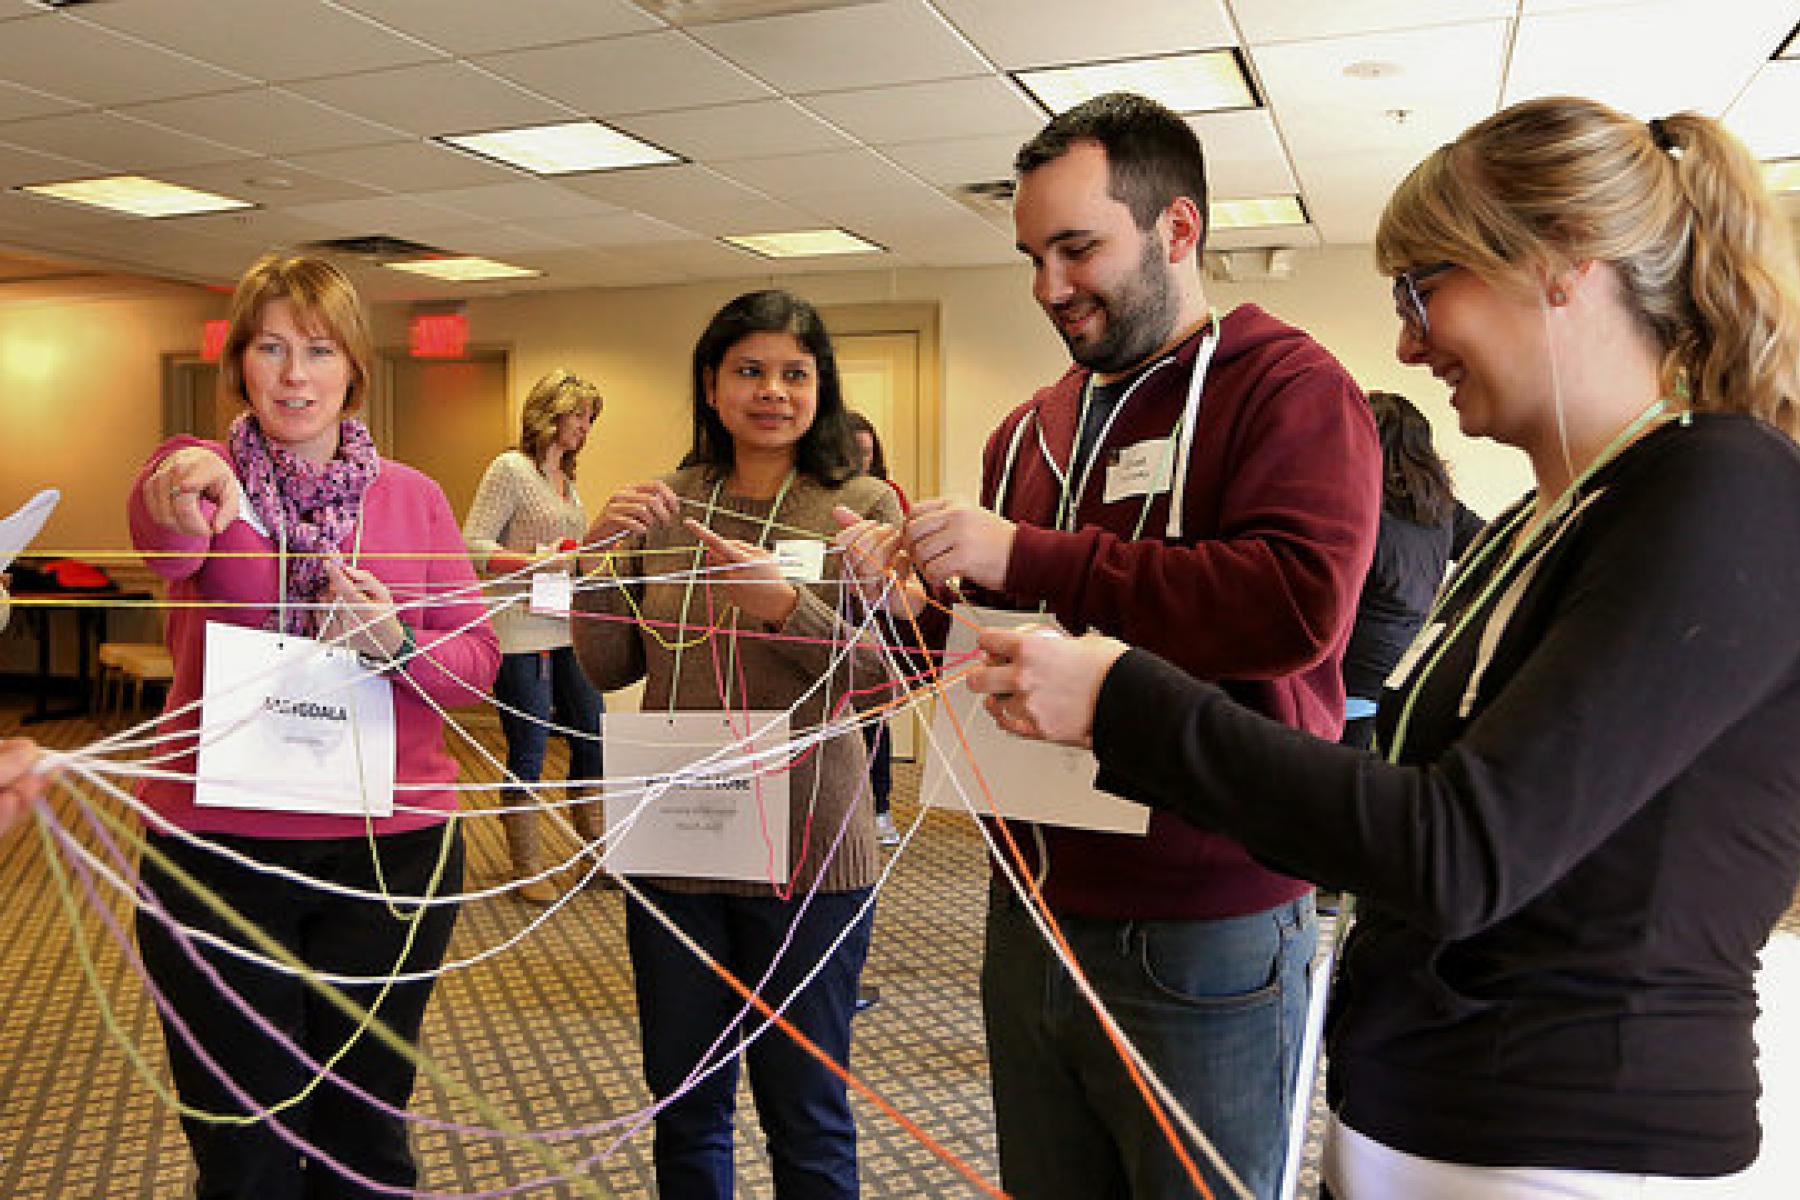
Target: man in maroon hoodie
[(1207, 488)]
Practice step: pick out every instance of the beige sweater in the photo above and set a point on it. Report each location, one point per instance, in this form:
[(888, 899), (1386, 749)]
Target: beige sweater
[(515, 509), (615, 653)]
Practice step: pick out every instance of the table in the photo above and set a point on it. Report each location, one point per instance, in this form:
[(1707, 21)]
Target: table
[(89, 609)]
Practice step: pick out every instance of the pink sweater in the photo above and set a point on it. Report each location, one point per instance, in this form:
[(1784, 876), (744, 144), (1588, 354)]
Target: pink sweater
[(402, 511)]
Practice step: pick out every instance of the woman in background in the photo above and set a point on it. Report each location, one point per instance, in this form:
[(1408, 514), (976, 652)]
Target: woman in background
[(525, 514), (1424, 527), (1590, 817), (298, 495), (871, 461), (770, 460)]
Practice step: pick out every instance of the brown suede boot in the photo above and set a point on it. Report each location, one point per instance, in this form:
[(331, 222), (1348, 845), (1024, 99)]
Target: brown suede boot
[(522, 845)]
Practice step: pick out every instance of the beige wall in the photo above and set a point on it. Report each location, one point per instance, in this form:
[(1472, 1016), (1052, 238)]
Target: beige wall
[(81, 389), (996, 347)]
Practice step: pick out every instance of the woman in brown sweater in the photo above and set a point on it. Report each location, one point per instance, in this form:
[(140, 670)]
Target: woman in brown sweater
[(771, 463)]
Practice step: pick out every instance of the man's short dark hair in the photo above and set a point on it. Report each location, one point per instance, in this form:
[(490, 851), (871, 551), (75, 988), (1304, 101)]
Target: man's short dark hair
[(1152, 154)]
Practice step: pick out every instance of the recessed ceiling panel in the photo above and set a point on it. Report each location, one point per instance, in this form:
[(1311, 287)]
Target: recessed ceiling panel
[(436, 98)]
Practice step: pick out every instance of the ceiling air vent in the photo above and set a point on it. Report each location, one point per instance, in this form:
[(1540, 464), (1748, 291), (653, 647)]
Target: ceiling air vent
[(376, 247), (992, 198)]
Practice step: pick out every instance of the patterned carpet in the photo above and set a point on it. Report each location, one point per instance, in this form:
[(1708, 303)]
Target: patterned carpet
[(548, 1033)]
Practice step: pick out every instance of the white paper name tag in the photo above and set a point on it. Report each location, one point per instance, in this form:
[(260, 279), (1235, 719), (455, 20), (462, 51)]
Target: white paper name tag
[(681, 800), (1139, 470), (802, 560), (1409, 661), (288, 724), (1029, 781), (552, 593)]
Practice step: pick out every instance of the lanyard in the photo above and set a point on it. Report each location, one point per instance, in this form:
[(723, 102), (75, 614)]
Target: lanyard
[(1536, 537), (1176, 450), (687, 595)]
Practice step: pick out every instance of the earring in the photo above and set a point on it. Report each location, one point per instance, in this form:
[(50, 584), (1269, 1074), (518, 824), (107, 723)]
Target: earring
[(1558, 297)]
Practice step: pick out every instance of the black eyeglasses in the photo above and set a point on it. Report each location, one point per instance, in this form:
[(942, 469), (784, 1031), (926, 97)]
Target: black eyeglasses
[(1409, 305)]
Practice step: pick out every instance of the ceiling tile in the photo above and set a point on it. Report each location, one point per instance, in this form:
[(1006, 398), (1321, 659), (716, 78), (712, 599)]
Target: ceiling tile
[(793, 175), (522, 200), (924, 112), (1037, 33), (1265, 21), (270, 40), (482, 26), (957, 161), (735, 131), (42, 52), (831, 50), (405, 166), (19, 165), (620, 228), (436, 98), (1653, 58), (400, 216), (18, 102), (1244, 154), (496, 239), (270, 182), (266, 120), (1443, 78), (703, 258), (1764, 115), (115, 143), (691, 196), (38, 212), (644, 73)]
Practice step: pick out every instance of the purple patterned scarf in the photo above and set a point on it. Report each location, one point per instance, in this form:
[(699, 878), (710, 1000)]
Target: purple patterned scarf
[(317, 506)]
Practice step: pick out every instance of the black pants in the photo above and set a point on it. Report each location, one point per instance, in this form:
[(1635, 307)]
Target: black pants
[(331, 934)]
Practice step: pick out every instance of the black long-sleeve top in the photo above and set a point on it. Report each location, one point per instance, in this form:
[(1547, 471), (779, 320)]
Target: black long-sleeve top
[(1593, 825), (1410, 560)]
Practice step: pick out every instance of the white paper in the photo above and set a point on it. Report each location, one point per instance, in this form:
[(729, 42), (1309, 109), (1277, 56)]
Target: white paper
[(19, 530), (552, 593), (1028, 781), (708, 815), (801, 560), (1139, 470), (288, 724)]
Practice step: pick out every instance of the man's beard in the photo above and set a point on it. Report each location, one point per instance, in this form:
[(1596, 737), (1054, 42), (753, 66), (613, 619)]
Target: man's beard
[(1140, 317)]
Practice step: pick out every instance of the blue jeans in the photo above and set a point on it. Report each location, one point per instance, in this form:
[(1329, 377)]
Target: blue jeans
[(1216, 1007), (549, 686), (682, 1006)]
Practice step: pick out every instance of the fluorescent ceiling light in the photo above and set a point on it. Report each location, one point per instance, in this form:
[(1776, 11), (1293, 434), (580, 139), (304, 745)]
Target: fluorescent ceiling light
[(466, 269), (1792, 49), (563, 149), (802, 243), (138, 196), (1257, 213), (1207, 81), (1783, 176)]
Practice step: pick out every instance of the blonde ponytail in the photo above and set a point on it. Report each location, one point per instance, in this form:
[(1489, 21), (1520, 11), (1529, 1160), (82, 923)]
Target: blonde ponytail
[(1678, 208), (1742, 352)]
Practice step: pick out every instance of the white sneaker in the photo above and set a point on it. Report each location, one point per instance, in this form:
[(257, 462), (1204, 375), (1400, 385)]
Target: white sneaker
[(885, 832)]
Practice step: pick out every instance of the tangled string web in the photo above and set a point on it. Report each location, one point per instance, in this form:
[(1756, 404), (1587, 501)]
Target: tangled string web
[(95, 838)]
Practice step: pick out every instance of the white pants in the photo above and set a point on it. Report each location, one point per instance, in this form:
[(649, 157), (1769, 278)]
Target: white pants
[(1360, 1168)]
